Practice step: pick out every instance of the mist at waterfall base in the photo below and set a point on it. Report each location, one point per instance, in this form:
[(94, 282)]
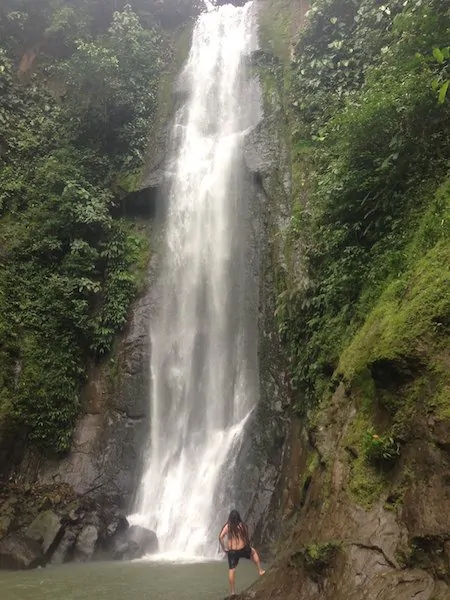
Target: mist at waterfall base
[(204, 338)]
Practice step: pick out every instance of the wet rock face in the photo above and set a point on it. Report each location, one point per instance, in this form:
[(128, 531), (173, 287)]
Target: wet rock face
[(46, 529), (133, 543), (63, 552), (259, 466), (384, 551), (74, 529), (145, 538), (357, 574), (19, 552), (109, 439), (85, 543)]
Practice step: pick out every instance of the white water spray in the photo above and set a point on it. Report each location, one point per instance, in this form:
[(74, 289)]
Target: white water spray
[(204, 340)]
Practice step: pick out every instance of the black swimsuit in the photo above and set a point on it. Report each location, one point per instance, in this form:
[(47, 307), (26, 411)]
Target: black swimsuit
[(235, 555)]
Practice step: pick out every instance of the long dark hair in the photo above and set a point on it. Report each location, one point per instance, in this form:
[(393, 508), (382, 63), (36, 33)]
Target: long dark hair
[(237, 528)]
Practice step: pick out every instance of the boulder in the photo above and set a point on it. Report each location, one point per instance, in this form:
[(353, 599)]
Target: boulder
[(5, 523), (118, 524), (129, 550), (86, 543), (19, 552), (7, 514), (46, 529), (133, 543), (65, 546), (145, 538)]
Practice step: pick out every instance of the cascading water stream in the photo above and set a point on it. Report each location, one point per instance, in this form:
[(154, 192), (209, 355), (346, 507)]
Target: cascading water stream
[(204, 363)]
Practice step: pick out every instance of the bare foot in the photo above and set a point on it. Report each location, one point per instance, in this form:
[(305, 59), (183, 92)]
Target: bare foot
[(261, 572)]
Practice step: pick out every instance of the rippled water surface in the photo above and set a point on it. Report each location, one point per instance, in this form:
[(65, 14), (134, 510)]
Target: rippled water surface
[(120, 581)]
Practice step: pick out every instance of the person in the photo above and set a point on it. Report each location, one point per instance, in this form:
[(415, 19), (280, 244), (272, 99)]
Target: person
[(238, 546)]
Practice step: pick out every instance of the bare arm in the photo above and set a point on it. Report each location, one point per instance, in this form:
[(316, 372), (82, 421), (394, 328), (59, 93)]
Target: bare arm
[(222, 536)]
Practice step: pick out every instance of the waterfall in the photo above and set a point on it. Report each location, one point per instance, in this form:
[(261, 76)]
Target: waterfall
[(204, 338)]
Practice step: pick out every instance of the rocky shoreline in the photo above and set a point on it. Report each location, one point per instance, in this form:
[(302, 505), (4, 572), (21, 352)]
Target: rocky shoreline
[(42, 525)]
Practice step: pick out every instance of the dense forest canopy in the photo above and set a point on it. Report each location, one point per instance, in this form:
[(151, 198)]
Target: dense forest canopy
[(79, 90), (368, 94)]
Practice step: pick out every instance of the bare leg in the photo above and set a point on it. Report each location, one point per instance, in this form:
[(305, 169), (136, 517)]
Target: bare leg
[(232, 580), (255, 558)]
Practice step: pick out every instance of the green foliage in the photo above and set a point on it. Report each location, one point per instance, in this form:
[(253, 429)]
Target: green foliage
[(318, 556), (46, 398), (441, 401), (380, 449), (367, 482), (69, 264), (442, 81), (275, 27), (112, 87), (54, 26), (377, 138), (410, 319)]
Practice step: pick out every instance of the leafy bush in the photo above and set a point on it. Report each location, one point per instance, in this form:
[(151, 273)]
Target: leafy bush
[(363, 101), (380, 449), (318, 556), (442, 81), (69, 264), (112, 84)]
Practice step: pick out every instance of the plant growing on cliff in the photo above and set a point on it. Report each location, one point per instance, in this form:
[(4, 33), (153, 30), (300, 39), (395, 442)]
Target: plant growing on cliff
[(380, 449), (319, 556), (442, 80)]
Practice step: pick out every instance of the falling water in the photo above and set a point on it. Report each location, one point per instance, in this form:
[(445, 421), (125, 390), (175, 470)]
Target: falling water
[(204, 365)]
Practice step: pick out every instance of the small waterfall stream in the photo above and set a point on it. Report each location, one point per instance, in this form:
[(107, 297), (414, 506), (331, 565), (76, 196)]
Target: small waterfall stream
[(204, 339)]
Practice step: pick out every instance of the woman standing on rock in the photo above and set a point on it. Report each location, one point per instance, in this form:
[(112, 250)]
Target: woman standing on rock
[(238, 546)]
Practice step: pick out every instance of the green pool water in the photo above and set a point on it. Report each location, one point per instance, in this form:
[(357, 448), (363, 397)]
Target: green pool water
[(131, 581)]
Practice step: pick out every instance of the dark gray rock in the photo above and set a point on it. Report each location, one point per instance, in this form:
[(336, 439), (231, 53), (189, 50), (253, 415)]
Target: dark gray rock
[(259, 465), (142, 203), (46, 529), (146, 538), (64, 549), (5, 523), (155, 179), (133, 543), (116, 525), (127, 551), (19, 552), (86, 543), (260, 150)]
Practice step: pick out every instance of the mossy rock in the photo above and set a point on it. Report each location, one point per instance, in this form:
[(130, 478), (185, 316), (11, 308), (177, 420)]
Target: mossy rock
[(280, 20), (409, 321), (367, 483), (129, 181), (316, 558), (441, 402)]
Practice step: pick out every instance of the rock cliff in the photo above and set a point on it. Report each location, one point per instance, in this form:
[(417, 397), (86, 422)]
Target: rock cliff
[(348, 524)]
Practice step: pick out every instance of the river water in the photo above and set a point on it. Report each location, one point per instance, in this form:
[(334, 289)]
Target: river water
[(125, 581)]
